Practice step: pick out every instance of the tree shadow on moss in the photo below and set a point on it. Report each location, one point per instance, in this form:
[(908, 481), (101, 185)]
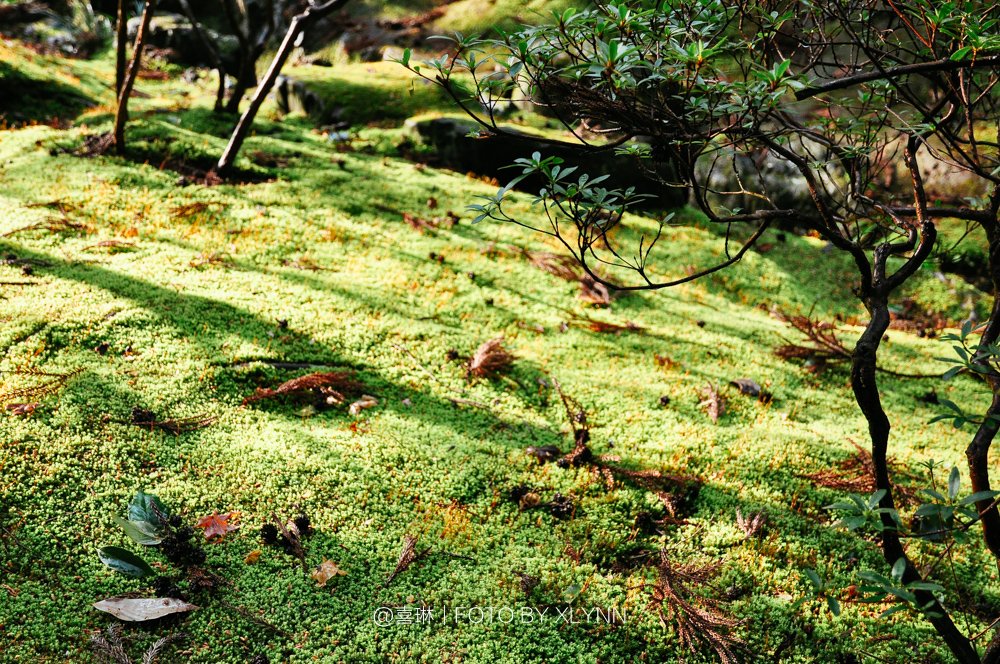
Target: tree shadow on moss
[(26, 99)]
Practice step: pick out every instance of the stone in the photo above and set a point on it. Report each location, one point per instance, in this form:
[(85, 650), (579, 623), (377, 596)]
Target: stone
[(175, 32), (489, 157), (292, 96)]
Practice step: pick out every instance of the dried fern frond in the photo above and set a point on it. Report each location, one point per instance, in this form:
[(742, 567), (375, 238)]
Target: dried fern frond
[(856, 474), (594, 292), (752, 524), (42, 389), (557, 265), (147, 420), (490, 359), (696, 618), (823, 345), (328, 386), (418, 223), (192, 209), (109, 647), (150, 656), (111, 244), (53, 224), (604, 327)]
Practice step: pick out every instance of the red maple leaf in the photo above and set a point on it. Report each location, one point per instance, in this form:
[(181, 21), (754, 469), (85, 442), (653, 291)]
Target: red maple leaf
[(216, 525)]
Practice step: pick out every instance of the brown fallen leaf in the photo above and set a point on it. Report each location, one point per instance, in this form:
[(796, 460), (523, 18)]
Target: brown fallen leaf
[(326, 571), (217, 525), (252, 557), (366, 401), (142, 608)]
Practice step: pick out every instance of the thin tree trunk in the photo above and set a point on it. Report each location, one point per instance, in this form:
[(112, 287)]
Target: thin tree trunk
[(977, 453), (865, 387), (299, 23), (120, 54), (213, 53), (246, 79), (122, 114)]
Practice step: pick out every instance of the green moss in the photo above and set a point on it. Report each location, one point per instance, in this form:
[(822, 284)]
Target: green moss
[(418, 462)]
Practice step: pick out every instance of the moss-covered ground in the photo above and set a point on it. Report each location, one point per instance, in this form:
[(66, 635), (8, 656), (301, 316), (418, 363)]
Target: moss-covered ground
[(187, 336)]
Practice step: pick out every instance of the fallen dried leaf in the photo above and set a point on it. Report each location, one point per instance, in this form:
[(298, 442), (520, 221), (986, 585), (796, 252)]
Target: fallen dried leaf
[(746, 386), (217, 525), (326, 571), (252, 557), (366, 401), (142, 608)]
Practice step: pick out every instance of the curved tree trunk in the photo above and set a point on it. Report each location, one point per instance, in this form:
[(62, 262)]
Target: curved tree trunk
[(865, 386), (299, 23), (977, 453)]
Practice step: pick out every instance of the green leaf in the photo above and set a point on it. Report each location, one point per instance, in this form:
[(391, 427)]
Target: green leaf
[(898, 568), (405, 60), (813, 577), (124, 561), (951, 373), (140, 509), (834, 605), (934, 494), (874, 577), (979, 495), (954, 482), (141, 532), (960, 54)]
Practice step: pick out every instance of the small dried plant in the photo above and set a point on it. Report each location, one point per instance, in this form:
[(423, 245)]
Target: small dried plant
[(49, 384), (856, 474), (752, 524), (110, 646), (490, 359), (713, 403), (216, 258), (823, 348), (673, 491), (327, 388), (696, 618)]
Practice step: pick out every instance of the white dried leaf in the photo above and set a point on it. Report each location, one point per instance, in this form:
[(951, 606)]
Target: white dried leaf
[(142, 608)]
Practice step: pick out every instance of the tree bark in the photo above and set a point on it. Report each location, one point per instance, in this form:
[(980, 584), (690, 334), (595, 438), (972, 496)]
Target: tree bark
[(212, 52), (865, 388), (299, 23), (977, 453), (122, 114), (120, 48)]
